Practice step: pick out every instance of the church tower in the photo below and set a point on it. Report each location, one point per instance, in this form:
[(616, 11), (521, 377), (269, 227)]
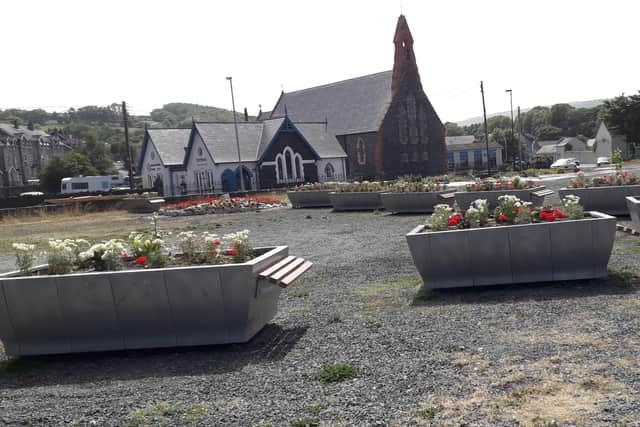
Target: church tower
[(411, 138)]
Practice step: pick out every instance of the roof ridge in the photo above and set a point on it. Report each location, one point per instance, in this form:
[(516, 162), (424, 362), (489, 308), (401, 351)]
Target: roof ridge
[(227, 123), (335, 83)]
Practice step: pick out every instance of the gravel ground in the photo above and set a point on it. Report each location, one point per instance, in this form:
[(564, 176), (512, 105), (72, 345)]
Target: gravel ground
[(505, 355)]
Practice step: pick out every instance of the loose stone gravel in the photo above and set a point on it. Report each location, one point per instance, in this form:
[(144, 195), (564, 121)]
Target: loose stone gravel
[(507, 355)]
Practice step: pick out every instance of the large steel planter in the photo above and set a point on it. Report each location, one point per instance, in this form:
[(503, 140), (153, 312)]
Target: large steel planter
[(541, 252), (610, 200), (465, 198), (355, 201), (416, 202), (633, 205), (167, 307), (309, 199)]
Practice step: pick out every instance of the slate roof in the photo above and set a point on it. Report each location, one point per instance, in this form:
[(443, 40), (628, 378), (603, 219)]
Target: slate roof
[(255, 137), (464, 139), (351, 106), (473, 146), (170, 144), (10, 130), (547, 149)]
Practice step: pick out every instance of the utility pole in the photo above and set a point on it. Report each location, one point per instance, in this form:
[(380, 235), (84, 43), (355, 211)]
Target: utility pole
[(486, 131), (126, 143), (521, 135), (505, 147), (235, 124)]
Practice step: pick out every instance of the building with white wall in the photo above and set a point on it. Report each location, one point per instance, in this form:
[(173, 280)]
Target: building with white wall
[(273, 153)]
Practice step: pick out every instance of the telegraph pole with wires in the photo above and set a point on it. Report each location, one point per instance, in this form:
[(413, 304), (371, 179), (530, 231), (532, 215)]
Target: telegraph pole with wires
[(486, 131), (125, 119)]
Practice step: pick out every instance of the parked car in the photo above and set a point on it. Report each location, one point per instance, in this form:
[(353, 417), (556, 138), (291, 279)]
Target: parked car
[(602, 161), (565, 164)]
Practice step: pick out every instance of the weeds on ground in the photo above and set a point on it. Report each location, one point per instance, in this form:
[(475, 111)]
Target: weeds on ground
[(168, 412), (337, 373), (621, 276), (426, 413), (316, 408), (305, 422)]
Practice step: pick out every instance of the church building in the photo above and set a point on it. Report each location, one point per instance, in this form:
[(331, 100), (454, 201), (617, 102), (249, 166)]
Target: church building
[(273, 153), (384, 122)]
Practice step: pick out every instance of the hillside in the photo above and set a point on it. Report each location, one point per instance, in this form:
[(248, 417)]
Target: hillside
[(577, 104), (179, 114)]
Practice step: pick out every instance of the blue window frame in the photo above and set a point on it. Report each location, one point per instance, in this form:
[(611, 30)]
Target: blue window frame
[(464, 160), (450, 160)]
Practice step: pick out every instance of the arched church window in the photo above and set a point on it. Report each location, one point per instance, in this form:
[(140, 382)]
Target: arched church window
[(280, 167), (288, 163), (329, 171), (361, 153)]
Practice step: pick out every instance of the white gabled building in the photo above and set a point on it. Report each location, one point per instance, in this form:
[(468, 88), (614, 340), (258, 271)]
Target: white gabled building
[(273, 153)]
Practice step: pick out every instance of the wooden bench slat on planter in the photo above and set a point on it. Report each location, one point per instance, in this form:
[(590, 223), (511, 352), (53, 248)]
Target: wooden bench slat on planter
[(542, 193), (446, 196), (296, 273), (275, 267), (277, 277)]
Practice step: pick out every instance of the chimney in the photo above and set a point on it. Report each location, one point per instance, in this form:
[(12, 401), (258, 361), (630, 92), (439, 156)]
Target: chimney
[(30, 125), (15, 123), (246, 115)]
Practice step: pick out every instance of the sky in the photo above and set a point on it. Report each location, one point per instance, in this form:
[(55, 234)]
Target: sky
[(65, 53)]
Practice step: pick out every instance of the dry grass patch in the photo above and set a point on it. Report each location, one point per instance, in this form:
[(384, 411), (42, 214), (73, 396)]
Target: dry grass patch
[(387, 286), (470, 362), (557, 337)]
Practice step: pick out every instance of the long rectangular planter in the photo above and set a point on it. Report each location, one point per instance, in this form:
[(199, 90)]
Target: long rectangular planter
[(413, 202), (540, 252), (309, 199), (142, 205), (465, 198), (610, 200), (633, 205), (165, 307), (355, 201)]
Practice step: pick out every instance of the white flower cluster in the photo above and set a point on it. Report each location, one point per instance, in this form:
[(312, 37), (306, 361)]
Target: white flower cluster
[(440, 217), (64, 254), (238, 237), (145, 244), (108, 254), (23, 247), (573, 207)]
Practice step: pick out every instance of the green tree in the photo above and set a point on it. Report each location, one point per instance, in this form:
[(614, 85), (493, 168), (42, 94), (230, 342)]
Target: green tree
[(71, 163), (622, 115), (98, 154), (548, 133), (453, 129), (559, 116)]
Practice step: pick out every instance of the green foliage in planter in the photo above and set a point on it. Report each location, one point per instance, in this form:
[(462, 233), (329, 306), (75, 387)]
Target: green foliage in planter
[(337, 373)]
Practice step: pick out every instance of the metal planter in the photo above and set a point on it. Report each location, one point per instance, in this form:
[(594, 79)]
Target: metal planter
[(465, 198), (633, 205), (309, 199), (540, 252), (416, 202), (355, 201), (610, 200), (142, 205), (165, 307)]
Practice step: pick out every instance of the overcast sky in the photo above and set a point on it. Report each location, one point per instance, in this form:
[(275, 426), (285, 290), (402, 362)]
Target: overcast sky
[(62, 53)]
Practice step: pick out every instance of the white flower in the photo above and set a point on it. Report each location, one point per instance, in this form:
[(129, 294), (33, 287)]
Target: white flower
[(23, 247)]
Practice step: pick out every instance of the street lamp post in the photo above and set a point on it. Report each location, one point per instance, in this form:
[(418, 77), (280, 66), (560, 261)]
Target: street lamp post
[(235, 124), (511, 103)]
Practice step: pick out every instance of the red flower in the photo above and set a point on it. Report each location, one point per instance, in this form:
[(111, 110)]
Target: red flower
[(233, 251), (125, 255), (547, 215), (217, 242), (454, 220), (502, 218), (558, 213), (141, 260)]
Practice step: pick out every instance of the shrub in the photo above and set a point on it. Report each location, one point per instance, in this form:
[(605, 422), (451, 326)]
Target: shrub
[(24, 257)]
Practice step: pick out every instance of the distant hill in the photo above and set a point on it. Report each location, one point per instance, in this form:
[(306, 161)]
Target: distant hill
[(179, 114), (577, 104)]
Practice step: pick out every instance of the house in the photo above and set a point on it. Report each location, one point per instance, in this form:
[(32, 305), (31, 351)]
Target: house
[(384, 122), (25, 151), (605, 142), (273, 153), (466, 152)]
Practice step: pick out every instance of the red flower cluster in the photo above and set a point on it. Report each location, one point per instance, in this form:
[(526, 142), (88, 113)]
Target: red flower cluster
[(217, 242), (187, 203), (455, 220), (502, 218), (141, 260), (552, 214), (232, 251)]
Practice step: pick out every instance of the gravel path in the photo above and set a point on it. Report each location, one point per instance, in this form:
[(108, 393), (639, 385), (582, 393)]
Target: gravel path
[(493, 356)]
